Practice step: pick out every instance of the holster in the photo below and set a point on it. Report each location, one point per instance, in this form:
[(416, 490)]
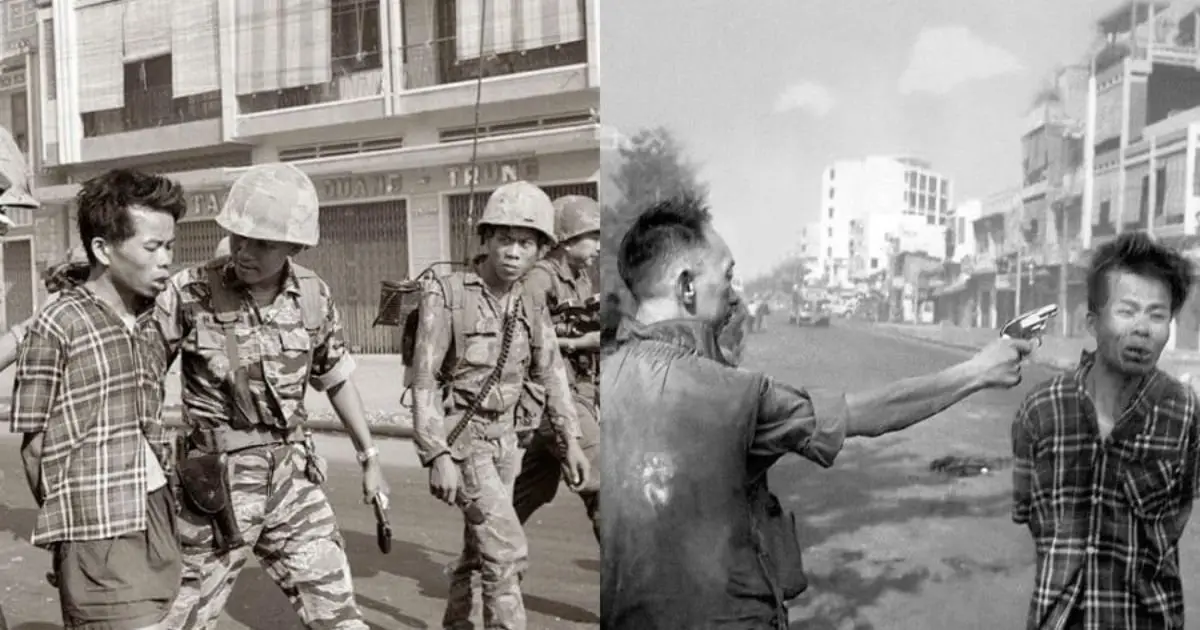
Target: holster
[(204, 480)]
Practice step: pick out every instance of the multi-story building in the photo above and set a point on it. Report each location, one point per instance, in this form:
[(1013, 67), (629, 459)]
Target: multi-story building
[(18, 39), (377, 100), (862, 205), (808, 242), (1143, 133)]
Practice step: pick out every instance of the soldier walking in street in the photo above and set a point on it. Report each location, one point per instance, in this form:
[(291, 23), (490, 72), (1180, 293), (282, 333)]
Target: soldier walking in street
[(252, 331), (562, 280), (481, 341)]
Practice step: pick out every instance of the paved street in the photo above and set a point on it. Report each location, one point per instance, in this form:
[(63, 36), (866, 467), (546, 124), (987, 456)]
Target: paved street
[(890, 545), (405, 589)]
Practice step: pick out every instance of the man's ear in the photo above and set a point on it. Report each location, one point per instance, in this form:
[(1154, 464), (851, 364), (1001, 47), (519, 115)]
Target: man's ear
[(685, 290), (101, 250)]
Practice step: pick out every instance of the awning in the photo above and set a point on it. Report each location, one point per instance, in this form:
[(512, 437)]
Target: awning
[(958, 286)]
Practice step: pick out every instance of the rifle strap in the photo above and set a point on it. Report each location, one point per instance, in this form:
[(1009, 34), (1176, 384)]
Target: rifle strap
[(494, 377)]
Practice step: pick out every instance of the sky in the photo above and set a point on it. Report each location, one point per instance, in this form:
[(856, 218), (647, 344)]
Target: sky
[(764, 94)]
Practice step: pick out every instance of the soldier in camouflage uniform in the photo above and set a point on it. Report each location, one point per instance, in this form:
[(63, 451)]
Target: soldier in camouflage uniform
[(562, 278), (252, 331), (465, 319)]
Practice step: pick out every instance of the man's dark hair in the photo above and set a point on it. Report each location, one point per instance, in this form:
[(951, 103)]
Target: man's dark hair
[(104, 203), (1137, 253), (659, 234)]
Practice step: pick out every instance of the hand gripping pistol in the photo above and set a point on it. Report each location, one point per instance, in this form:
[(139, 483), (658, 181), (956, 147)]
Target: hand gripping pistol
[(383, 529), (1030, 325)]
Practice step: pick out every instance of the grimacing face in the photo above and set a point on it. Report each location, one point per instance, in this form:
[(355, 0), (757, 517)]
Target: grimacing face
[(512, 251), (257, 261), (141, 263), (1133, 328)]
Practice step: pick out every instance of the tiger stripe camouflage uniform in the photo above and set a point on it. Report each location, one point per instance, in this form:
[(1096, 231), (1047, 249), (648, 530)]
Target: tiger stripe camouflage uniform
[(283, 515), (541, 473), (494, 543)]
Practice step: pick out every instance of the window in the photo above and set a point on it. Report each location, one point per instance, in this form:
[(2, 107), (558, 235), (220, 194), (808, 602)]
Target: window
[(830, 212), (829, 251), (874, 263), (47, 57), (831, 174), (355, 36), (1160, 192), (831, 192), (931, 219), (830, 231), (20, 120)]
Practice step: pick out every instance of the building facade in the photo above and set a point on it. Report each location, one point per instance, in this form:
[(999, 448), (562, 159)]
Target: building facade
[(864, 203), (374, 99)]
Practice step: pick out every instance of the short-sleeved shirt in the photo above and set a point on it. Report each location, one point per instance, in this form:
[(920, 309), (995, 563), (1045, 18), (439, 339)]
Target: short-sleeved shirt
[(1106, 514), (686, 440), (92, 386), (280, 355)]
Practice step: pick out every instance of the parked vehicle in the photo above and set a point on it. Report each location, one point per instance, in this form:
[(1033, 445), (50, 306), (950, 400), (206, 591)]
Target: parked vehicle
[(811, 314)]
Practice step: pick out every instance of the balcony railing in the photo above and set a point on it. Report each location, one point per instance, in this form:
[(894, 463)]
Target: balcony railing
[(354, 77), (436, 62), (151, 108)]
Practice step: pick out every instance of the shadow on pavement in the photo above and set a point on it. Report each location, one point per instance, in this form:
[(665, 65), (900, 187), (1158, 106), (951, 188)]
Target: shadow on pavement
[(37, 626), (851, 497), (17, 521), (416, 562)]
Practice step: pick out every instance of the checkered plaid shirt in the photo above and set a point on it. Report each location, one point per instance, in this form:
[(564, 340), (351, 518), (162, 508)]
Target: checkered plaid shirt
[(93, 388), (1106, 516)]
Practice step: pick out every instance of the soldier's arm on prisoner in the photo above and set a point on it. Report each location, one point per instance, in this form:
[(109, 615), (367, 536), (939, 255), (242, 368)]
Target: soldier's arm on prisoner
[(549, 371), (1024, 444), (330, 370), (170, 323), (429, 350), (36, 388)]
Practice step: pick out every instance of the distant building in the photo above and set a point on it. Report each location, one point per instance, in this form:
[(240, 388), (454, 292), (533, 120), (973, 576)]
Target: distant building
[(863, 203)]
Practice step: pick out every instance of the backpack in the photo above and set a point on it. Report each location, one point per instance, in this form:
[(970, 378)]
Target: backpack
[(459, 301)]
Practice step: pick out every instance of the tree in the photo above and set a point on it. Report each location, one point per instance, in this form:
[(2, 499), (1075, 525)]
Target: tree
[(647, 168), (781, 278)]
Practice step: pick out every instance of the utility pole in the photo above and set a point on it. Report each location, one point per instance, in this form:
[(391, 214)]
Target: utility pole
[(1020, 263)]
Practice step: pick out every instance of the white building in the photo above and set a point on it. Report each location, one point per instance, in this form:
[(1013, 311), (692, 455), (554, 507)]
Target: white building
[(963, 228), (862, 202)]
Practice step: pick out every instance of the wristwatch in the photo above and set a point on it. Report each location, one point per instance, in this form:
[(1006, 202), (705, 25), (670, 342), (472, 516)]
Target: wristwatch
[(365, 456)]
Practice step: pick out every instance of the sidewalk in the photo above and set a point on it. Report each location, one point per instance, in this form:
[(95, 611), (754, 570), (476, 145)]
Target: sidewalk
[(1056, 352), (380, 379)]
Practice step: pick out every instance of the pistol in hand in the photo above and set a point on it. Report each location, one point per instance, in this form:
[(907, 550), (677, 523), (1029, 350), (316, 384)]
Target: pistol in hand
[(1031, 325), (383, 529)]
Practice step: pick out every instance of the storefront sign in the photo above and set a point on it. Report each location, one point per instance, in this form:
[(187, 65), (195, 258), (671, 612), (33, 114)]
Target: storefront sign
[(206, 204), (358, 187), (489, 173)]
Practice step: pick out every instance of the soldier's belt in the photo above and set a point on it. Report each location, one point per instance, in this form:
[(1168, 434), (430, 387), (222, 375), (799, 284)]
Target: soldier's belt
[(491, 424), (227, 440)]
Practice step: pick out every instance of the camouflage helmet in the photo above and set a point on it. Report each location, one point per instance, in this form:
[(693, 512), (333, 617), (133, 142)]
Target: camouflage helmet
[(273, 202), (519, 204), (222, 249), (575, 215)]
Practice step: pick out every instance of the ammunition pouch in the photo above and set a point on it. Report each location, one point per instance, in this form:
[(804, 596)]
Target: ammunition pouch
[(205, 482)]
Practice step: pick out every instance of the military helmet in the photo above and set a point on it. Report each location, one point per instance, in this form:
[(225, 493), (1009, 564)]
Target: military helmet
[(575, 215), (519, 204), (273, 202)]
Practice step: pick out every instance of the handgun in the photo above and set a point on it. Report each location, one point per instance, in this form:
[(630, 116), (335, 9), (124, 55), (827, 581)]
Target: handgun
[(383, 530), (1030, 325)]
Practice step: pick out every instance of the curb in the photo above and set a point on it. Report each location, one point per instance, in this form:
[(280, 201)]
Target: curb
[(174, 420), (1051, 363)]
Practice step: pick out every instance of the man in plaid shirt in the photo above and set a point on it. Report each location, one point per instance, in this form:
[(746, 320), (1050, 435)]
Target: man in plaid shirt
[(87, 397), (1106, 456)]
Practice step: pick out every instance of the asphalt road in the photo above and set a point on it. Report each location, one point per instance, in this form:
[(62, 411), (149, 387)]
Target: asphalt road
[(405, 589), (889, 544)]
